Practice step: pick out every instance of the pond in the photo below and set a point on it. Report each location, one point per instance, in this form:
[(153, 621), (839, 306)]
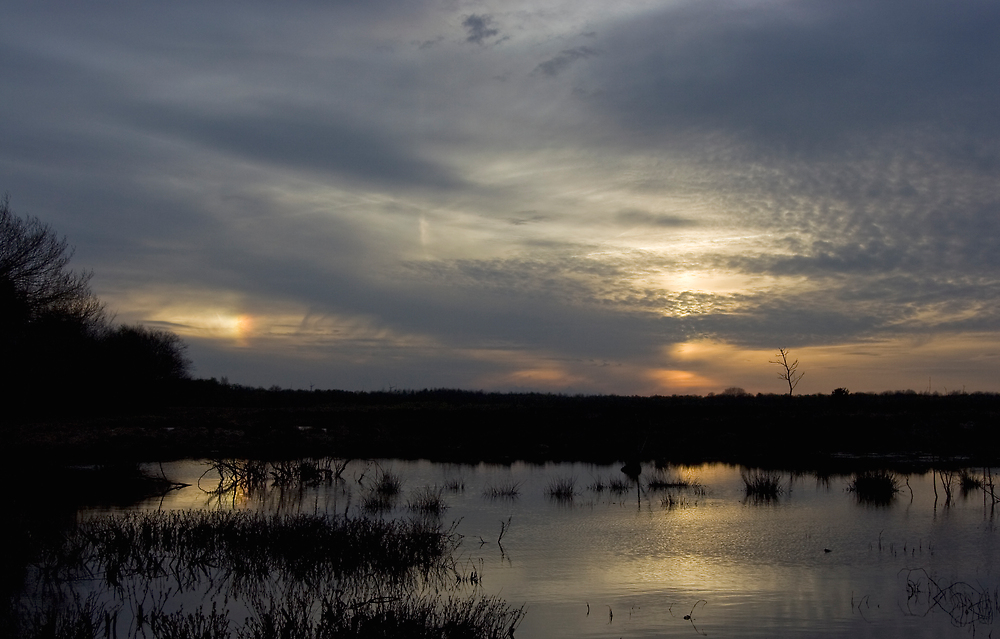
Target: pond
[(682, 551)]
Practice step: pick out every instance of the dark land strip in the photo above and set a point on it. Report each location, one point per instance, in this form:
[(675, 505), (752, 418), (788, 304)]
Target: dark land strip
[(205, 419)]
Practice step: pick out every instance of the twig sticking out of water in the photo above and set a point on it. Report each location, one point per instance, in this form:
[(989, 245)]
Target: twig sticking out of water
[(504, 527), (966, 604)]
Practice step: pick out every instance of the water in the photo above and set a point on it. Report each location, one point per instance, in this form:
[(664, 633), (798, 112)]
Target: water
[(703, 561)]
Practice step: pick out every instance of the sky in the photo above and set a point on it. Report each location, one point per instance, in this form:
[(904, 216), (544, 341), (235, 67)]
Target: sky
[(558, 196)]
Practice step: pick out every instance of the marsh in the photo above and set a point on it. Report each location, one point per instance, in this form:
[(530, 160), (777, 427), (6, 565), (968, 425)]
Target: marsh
[(683, 550)]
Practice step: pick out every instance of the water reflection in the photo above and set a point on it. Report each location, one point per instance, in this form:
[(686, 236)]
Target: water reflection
[(675, 550)]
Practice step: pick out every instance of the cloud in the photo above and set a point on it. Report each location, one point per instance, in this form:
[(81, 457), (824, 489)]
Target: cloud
[(796, 174), (644, 218), (480, 28), (303, 139), (811, 78), (556, 65)]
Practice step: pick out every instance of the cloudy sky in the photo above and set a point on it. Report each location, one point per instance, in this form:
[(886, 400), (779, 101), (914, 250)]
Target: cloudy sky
[(555, 195)]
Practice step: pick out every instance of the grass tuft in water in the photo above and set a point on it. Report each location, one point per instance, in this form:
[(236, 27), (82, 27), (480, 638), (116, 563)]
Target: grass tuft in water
[(428, 501), (874, 487), (761, 485), (968, 482), (562, 488), (506, 489), (388, 484)]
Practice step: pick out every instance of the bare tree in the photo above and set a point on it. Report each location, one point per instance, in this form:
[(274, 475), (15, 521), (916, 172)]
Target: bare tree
[(35, 283), (789, 372)]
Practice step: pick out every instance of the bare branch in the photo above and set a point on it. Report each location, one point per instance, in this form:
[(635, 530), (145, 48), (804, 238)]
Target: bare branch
[(789, 372)]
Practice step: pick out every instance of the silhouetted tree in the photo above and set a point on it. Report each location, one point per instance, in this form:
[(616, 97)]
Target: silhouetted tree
[(35, 284), (789, 371), (57, 348), (49, 318)]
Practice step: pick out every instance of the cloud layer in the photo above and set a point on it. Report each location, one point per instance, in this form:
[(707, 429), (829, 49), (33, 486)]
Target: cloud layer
[(560, 196)]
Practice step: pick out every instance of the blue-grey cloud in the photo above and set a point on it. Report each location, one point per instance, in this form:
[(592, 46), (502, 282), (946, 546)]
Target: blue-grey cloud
[(282, 135), (813, 78), (480, 28), (559, 63)]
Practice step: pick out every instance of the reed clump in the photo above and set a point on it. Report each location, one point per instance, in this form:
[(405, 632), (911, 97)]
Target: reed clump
[(874, 487), (619, 485), (662, 481), (968, 482), (562, 488), (503, 490), (428, 501), (388, 483), (761, 485)]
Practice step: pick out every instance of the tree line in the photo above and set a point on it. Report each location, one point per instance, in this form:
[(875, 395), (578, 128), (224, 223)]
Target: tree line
[(61, 349)]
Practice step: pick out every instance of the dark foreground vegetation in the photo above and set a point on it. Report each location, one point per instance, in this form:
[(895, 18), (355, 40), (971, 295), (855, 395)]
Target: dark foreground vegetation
[(302, 576), (207, 418)]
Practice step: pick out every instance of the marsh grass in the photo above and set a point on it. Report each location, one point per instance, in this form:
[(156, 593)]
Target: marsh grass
[(383, 493), (598, 485), (761, 485), (504, 490), (619, 486), (429, 617), (874, 487), (671, 501), (663, 481), (297, 576), (428, 501), (561, 488), (388, 483), (968, 483)]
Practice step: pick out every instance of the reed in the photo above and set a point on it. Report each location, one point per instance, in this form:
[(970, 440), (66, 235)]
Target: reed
[(428, 501), (619, 486), (388, 483), (761, 485), (874, 487), (506, 489), (664, 481), (298, 576), (968, 482), (562, 488)]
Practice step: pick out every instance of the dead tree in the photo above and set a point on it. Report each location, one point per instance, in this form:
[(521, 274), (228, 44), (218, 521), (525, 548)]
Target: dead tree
[(789, 372)]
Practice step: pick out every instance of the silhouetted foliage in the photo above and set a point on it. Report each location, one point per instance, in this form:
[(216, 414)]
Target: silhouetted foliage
[(147, 354), (734, 391), (59, 351)]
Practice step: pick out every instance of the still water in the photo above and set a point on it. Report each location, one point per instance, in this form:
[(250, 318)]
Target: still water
[(699, 559)]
